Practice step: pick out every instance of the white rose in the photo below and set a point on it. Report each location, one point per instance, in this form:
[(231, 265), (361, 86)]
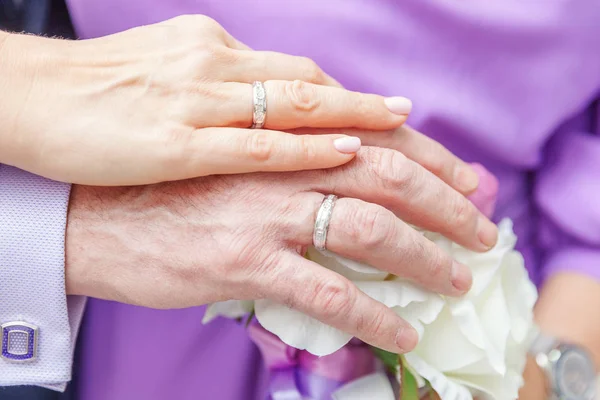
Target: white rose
[(481, 340), (477, 342)]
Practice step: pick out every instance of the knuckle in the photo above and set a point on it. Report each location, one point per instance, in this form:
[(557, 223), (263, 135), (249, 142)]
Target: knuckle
[(176, 150), (297, 215), (333, 298), (391, 168), (302, 96), (184, 20), (463, 213), (259, 146), (376, 325), (210, 22), (373, 227), (195, 21), (246, 263), (439, 265), (366, 105), (223, 55), (312, 72), (200, 62), (307, 148), (436, 160), (207, 58)]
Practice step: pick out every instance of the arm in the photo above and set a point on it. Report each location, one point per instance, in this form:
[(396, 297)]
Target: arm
[(566, 191), (567, 309), (70, 112), (32, 288), (132, 108)]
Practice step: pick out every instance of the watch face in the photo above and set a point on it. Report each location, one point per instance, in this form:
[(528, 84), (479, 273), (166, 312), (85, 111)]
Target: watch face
[(575, 375)]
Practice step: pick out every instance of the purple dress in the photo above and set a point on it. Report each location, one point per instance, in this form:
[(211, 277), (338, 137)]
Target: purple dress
[(512, 84)]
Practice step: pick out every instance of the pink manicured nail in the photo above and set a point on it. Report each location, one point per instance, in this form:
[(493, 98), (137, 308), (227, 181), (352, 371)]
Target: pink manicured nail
[(398, 105), (348, 144)]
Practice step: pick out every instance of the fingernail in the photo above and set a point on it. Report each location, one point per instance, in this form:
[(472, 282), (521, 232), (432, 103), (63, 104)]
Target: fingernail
[(487, 232), (467, 179), (461, 277), (347, 144), (398, 105), (407, 339)]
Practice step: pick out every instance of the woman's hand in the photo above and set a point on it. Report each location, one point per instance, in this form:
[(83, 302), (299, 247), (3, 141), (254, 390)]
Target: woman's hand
[(171, 101), (215, 238)]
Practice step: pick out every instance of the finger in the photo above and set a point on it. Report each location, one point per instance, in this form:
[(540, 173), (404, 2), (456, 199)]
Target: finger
[(419, 148), (269, 65), (430, 154), (335, 301), (388, 178), (297, 104), (373, 235), (234, 43), (212, 151)]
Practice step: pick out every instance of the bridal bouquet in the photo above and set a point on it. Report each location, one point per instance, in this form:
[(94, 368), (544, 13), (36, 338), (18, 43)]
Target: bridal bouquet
[(474, 346)]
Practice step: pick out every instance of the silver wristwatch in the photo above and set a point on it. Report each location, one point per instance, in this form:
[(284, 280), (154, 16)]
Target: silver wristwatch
[(569, 369)]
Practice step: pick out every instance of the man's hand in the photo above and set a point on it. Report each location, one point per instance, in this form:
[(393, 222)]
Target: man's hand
[(209, 239)]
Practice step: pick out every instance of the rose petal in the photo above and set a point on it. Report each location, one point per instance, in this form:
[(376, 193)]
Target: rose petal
[(376, 386), (395, 293), (485, 266), (444, 346), (299, 330), (496, 321), (444, 387), (230, 309), (351, 269), (521, 295), (497, 387)]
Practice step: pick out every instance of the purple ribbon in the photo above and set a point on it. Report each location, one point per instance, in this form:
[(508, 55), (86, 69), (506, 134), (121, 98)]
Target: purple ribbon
[(297, 374)]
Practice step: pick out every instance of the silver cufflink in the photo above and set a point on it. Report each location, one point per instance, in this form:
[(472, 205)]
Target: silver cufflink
[(19, 341)]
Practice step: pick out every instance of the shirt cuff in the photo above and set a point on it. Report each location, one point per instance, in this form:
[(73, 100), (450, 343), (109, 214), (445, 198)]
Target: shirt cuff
[(575, 259), (33, 214)]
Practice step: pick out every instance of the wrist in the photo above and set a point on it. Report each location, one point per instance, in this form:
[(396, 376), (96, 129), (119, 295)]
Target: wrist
[(93, 234), (76, 241), (28, 66), (535, 382), (15, 79), (7, 108)]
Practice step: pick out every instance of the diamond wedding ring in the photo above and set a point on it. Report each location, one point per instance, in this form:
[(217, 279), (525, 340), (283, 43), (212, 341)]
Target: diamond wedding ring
[(259, 105), (322, 222)]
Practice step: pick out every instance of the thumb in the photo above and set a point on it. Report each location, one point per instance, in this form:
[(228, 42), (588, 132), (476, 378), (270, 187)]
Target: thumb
[(233, 150)]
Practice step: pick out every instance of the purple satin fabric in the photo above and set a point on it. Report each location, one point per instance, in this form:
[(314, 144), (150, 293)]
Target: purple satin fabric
[(297, 374)]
